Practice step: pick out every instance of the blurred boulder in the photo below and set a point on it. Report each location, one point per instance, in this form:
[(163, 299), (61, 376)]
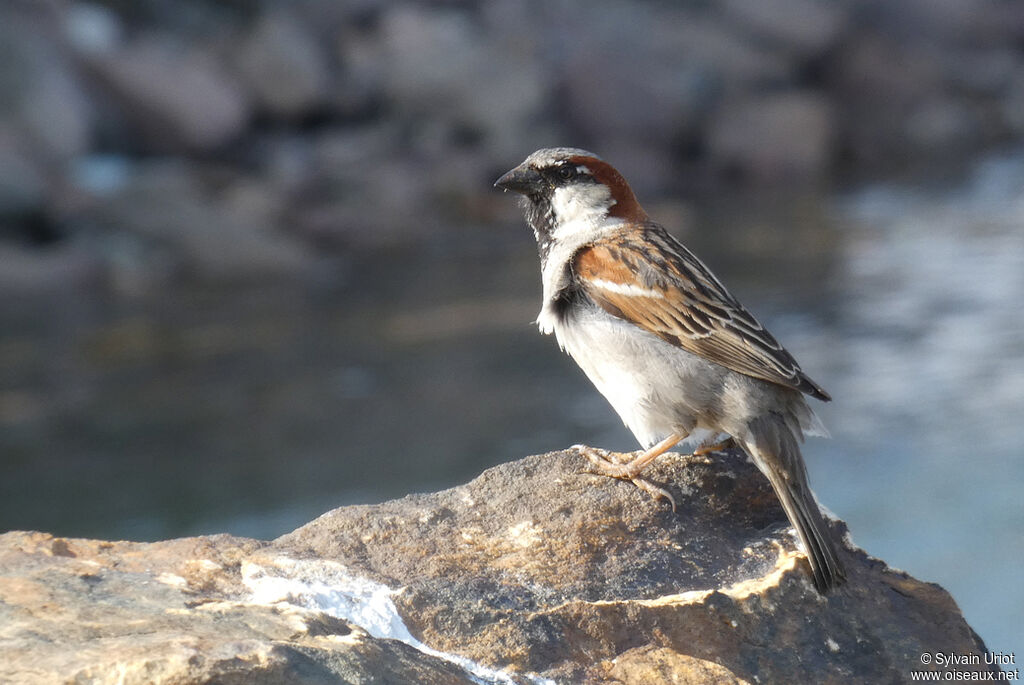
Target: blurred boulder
[(981, 71), (640, 103), (177, 97), (943, 123), (879, 82), (23, 186), (365, 192), (782, 135), (451, 83), (1013, 104), (715, 43), (950, 22), (284, 66), (90, 28), (30, 270), (171, 218), (804, 27), (41, 95), (608, 100), (370, 123)]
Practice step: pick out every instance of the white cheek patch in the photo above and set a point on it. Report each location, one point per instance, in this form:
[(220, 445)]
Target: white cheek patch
[(580, 207)]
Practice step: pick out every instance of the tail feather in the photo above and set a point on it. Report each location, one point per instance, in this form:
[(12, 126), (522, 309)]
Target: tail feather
[(775, 451), (810, 526)]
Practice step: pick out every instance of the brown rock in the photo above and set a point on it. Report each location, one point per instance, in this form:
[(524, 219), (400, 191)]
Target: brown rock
[(534, 568), (661, 665), (122, 612)]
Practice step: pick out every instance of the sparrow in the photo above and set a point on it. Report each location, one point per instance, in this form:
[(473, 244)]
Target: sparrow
[(676, 355)]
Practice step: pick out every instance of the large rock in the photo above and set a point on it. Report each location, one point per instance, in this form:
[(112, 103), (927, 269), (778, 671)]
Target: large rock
[(449, 81), (22, 181), (45, 118), (100, 612), (41, 94), (171, 217), (782, 135), (176, 97), (284, 66), (804, 27), (534, 568)]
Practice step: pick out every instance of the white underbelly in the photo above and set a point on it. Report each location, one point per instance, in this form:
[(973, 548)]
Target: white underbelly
[(657, 388)]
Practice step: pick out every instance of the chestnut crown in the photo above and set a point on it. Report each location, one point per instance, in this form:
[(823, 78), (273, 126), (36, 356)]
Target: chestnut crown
[(573, 179)]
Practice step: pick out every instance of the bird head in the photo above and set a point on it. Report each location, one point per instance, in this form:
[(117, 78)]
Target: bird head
[(567, 191)]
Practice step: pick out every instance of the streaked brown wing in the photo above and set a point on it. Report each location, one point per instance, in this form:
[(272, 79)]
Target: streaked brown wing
[(666, 290)]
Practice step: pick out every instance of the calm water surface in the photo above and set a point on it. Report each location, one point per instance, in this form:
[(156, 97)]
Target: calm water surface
[(253, 410)]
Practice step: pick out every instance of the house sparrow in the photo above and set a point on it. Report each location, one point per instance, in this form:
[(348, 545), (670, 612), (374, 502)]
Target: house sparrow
[(675, 354)]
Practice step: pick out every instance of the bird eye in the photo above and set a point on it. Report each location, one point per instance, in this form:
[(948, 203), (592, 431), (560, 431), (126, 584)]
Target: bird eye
[(566, 171)]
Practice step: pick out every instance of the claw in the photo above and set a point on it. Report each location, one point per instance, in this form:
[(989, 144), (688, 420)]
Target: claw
[(655, 491), (604, 461), (605, 464)]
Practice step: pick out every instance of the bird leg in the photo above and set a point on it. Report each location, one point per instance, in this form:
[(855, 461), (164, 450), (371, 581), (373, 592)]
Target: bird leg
[(703, 450), (631, 470)]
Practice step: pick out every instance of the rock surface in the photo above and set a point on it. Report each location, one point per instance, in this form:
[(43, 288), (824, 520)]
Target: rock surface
[(535, 570)]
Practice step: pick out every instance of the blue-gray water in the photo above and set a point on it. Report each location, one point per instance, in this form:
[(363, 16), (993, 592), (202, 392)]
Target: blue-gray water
[(253, 410)]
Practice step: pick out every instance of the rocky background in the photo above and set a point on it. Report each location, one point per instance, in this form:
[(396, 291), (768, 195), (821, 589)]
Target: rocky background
[(146, 142)]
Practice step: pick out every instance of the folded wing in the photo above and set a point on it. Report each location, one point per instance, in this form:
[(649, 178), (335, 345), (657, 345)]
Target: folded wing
[(666, 290)]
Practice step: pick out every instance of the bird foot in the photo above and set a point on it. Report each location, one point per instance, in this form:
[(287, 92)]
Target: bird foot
[(703, 450), (623, 467), (655, 491)]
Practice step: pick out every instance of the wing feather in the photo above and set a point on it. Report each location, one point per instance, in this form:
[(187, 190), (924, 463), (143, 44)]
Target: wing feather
[(666, 290)]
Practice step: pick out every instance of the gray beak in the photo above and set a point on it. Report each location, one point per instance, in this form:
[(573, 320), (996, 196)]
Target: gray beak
[(522, 180)]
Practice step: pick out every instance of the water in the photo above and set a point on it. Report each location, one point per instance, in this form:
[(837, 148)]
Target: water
[(252, 410), (928, 431)]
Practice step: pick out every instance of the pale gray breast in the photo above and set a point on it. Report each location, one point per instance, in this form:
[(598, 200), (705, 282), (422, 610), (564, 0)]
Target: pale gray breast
[(655, 387)]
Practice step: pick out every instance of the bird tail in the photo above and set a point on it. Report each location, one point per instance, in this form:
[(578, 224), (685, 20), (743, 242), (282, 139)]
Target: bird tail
[(776, 452)]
